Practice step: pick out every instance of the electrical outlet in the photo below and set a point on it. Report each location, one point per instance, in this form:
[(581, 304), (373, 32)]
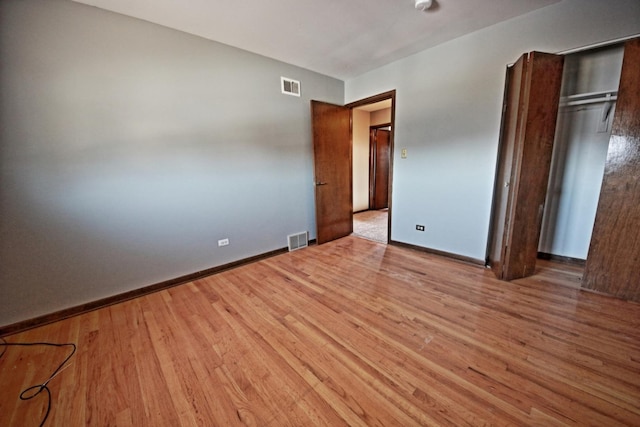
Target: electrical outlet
[(223, 242), (420, 227)]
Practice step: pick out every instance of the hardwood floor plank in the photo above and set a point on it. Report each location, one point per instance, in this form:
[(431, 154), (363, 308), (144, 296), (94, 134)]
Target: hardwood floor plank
[(348, 333), (351, 333), (250, 312)]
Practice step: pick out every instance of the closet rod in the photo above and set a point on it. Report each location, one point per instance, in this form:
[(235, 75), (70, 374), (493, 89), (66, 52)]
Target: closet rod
[(591, 94), (589, 98), (588, 101)]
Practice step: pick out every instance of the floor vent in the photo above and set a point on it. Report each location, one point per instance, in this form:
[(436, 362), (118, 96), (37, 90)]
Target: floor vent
[(298, 241), (290, 86)]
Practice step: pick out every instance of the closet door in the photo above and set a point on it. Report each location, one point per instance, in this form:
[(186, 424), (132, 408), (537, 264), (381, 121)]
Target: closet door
[(526, 142), (506, 147), (613, 263)]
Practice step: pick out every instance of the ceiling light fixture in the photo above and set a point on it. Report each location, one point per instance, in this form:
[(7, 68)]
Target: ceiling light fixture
[(423, 5)]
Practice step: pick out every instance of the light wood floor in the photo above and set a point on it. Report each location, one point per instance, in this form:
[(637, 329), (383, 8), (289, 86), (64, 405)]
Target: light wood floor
[(348, 333)]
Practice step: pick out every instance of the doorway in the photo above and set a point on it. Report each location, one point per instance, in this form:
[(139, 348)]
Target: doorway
[(333, 153), (372, 137)]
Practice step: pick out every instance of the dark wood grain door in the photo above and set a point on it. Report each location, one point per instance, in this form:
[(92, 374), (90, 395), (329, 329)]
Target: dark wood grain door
[(332, 163), (379, 162), (506, 152), (613, 263), (523, 169)]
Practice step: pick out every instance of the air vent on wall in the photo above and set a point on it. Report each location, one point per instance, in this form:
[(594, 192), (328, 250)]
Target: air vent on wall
[(298, 241), (290, 86)]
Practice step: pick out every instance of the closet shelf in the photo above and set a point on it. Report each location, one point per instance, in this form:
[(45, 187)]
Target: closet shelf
[(589, 98)]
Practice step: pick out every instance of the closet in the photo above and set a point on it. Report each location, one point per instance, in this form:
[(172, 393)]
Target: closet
[(594, 171), (587, 104)]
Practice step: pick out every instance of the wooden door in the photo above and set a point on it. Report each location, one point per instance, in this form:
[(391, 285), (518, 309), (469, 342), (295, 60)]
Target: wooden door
[(613, 263), (506, 148), (332, 163), (379, 161), (524, 163)]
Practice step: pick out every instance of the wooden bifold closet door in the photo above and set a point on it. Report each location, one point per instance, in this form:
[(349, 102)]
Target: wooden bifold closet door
[(613, 263), (524, 159)]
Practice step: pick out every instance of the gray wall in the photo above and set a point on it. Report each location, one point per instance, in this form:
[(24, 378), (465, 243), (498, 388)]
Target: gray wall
[(448, 110), (128, 150)]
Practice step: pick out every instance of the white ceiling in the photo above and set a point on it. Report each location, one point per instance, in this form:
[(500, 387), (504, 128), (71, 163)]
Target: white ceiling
[(339, 38)]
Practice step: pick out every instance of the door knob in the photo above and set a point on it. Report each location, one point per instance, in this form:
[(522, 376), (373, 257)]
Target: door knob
[(321, 183)]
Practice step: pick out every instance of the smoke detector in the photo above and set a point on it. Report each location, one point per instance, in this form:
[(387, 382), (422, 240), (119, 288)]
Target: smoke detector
[(423, 5)]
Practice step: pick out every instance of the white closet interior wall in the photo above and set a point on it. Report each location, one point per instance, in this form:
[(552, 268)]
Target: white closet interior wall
[(590, 83)]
